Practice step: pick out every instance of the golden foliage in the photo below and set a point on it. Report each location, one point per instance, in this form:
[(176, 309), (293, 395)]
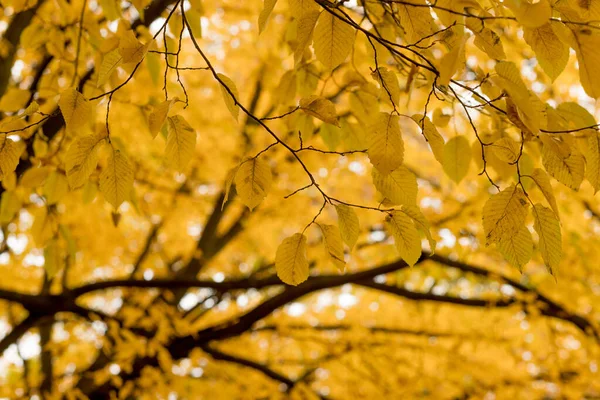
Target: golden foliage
[(152, 246)]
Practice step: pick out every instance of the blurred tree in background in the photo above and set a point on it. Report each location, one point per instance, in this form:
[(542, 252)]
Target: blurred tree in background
[(299, 199)]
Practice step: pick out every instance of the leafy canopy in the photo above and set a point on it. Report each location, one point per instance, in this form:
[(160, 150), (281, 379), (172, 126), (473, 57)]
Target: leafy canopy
[(196, 190)]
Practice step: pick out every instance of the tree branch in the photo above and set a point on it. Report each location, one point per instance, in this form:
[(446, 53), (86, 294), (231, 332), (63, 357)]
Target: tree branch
[(18, 331), (219, 355), (12, 36)]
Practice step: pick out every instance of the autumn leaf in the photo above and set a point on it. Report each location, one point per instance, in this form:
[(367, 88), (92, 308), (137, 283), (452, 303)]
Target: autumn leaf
[(504, 214), (320, 108), (332, 39), (399, 186), (406, 236), (386, 147), (158, 116), (230, 95), (457, 158), (431, 134), (76, 110), (265, 13), (82, 158), (334, 247), (306, 25), (290, 261), (181, 142), (361, 120), (130, 48), (110, 63), (548, 229), (116, 180), (9, 155), (349, 225), (253, 181), (517, 249)]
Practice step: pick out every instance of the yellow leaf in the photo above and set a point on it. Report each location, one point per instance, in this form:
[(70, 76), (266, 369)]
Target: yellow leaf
[(131, 49), (286, 90), (158, 116), (421, 223), (321, 108), (531, 110), (194, 19), (253, 181), (364, 103), (592, 158), (111, 9), (504, 214), (290, 260), (511, 75), (550, 243), (9, 206), (82, 158), (333, 40), (490, 43), (433, 137), (452, 62), (571, 115), (230, 95), (31, 109), (181, 142), (176, 25), (399, 186), (543, 182), (530, 14), (116, 180), (334, 247), (300, 7), (406, 236), (439, 118), (55, 187), (586, 43), (44, 226), (457, 158), (552, 54), (53, 261), (9, 181), (587, 10), (386, 147), (76, 110), (14, 99), (9, 155), (331, 135), (228, 182), (449, 11), (304, 34), (565, 166), (110, 63), (506, 149), (35, 177), (89, 192), (265, 13), (416, 21), (517, 249), (349, 225), (153, 64), (390, 87)]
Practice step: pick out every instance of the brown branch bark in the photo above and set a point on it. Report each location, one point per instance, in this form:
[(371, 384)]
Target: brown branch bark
[(13, 37), (29, 322)]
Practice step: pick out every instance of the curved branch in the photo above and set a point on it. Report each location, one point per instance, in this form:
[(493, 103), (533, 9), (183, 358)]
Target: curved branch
[(398, 291), (18, 331), (219, 355)]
